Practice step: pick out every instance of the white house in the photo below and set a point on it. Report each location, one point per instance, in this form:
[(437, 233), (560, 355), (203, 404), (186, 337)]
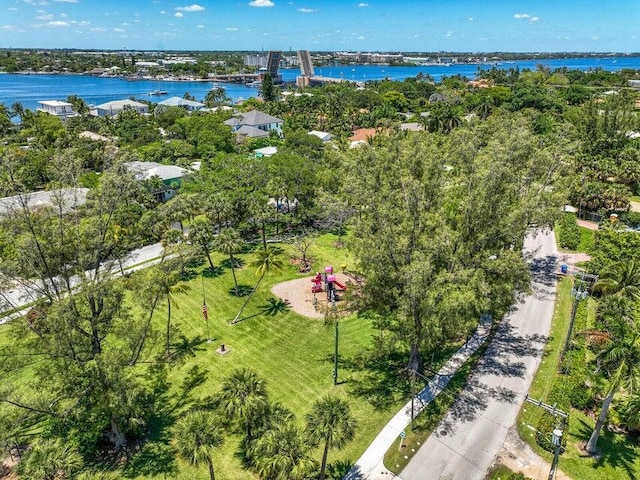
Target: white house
[(255, 124), (265, 151), (65, 199), (324, 136), (62, 110), (110, 109)]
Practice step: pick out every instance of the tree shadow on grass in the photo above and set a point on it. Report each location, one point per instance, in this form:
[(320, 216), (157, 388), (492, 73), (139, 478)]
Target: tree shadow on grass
[(238, 263), (381, 381), (187, 348), (212, 272), (615, 450), (156, 457), (188, 274), (337, 470), (274, 306), (241, 291)]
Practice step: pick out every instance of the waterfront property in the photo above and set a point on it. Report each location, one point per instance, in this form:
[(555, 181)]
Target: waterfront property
[(62, 110), (189, 105), (110, 109)]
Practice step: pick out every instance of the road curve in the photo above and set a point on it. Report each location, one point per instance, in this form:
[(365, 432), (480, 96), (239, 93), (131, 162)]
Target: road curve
[(466, 442)]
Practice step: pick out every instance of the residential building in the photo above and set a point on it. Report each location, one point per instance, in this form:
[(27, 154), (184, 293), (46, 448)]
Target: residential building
[(324, 136), (255, 124), (169, 176), (114, 107), (189, 105), (66, 199), (62, 110)]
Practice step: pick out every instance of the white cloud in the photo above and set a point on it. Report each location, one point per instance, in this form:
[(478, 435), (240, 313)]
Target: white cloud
[(12, 9), (47, 16), (448, 34), (11, 28), (534, 19), (361, 37), (306, 10), (125, 24), (162, 12), (191, 8), (232, 29), (63, 15), (262, 3), (200, 26), (58, 23), (362, 4), (594, 38), (521, 15), (470, 19), (179, 15), (119, 30), (66, 1)]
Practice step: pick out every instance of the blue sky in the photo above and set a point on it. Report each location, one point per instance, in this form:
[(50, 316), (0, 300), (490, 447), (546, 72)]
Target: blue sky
[(367, 25)]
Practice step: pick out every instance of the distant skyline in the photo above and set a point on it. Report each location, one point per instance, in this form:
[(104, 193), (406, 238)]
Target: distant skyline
[(368, 25)]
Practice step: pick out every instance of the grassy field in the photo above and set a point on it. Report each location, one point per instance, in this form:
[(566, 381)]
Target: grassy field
[(620, 457), (294, 354)]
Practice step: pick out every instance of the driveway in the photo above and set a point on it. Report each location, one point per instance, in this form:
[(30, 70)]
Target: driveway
[(466, 442)]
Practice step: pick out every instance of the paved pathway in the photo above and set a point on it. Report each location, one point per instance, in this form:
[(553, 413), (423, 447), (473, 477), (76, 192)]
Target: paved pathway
[(369, 465), (466, 442)]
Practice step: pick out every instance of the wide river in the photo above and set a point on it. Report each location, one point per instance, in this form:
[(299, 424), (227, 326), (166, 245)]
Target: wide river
[(29, 89)]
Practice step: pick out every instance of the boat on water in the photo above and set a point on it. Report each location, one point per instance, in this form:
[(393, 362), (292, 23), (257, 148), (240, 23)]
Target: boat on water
[(158, 92)]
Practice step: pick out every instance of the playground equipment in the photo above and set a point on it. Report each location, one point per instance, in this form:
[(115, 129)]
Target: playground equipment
[(330, 281), (317, 283)]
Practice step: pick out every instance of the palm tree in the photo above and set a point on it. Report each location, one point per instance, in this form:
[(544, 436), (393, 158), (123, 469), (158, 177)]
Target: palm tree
[(244, 397), (201, 233), (267, 259), (215, 96), (619, 360), (229, 241), (284, 454), (170, 288), (621, 279), (17, 110), (331, 422), (197, 435), (50, 460)]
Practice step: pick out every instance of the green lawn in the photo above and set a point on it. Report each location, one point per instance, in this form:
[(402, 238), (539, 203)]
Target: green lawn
[(587, 237), (293, 354), (620, 457)]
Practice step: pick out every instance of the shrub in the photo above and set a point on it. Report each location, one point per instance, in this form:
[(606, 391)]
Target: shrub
[(569, 231), (544, 432)]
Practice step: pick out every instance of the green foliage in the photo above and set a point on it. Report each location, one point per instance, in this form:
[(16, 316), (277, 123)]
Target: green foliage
[(544, 431), (568, 231)]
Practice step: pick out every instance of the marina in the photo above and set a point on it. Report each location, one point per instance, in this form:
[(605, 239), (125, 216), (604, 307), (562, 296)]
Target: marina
[(29, 89)]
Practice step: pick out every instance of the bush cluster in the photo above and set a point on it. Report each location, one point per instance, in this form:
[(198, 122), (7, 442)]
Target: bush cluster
[(569, 231)]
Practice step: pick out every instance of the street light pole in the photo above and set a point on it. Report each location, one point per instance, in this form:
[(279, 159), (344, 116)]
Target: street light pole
[(578, 292), (556, 439)]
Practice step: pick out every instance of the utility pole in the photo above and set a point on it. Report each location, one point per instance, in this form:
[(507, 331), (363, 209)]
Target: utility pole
[(578, 292), (556, 437), (335, 356)]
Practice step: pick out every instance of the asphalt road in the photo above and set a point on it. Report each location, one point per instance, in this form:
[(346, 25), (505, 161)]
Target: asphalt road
[(466, 442), (30, 291)]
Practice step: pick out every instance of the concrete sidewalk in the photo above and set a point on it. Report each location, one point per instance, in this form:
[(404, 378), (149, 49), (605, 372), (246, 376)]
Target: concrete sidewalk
[(370, 464)]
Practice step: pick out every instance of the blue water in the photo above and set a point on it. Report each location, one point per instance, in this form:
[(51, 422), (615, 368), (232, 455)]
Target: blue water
[(29, 89)]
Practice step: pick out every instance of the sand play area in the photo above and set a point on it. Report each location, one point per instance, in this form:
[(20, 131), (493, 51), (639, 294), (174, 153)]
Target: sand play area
[(299, 296)]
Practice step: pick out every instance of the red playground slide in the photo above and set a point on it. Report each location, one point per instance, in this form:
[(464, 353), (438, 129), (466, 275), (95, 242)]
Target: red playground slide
[(340, 286)]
